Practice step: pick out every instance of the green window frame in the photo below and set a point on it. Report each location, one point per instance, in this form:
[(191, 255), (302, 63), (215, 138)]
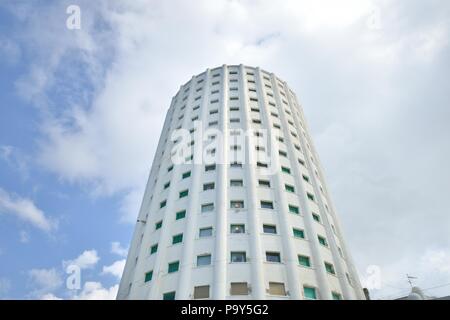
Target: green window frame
[(148, 276), (186, 175), (322, 241), (289, 188), (158, 225), (167, 185), (286, 170), (177, 238), (169, 295), (153, 248), (173, 267), (180, 215), (294, 209), (298, 233), (329, 268), (316, 217), (336, 296), (184, 193), (162, 204), (310, 293), (310, 196), (304, 261)]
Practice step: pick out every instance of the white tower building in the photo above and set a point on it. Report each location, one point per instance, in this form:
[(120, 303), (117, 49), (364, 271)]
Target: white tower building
[(236, 205)]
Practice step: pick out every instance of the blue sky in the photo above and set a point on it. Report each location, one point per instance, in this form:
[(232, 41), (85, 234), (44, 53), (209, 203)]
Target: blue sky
[(81, 112)]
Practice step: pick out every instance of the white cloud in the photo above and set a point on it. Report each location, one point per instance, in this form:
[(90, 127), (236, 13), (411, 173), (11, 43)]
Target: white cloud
[(96, 291), (116, 248), (49, 296), (45, 280), (437, 260), (25, 210), (115, 269), (87, 260)]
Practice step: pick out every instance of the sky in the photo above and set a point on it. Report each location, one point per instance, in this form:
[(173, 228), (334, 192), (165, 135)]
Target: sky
[(81, 110)]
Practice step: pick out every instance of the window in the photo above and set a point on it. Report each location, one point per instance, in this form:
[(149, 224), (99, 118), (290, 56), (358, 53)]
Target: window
[(237, 228), (235, 120), (208, 186), (203, 260), (277, 289), (162, 204), (260, 148), (158, 225), (309, 293), (261, 165), (306, 178), (235, 147), (273, 257), (294, 209), (257, 121), (322, 241), (177, 238), (236, 165), (210, 167), (336, 296), (153, 248), (304, 261), (216, 100), (236, 183), (186, 175), (205, 232), (289, 188), (207, 207), (180, 215), (266, 205), (167, 185), (201, 292), (234, 108), (213, 123), (238, 257), (174, 266), (286, 170), (214, 111), (329, 268), (169, 295), (282, 153), (148, 276), (264, 183), (269, 229), (310, 196), (298, 233), (236, 204), (316, 217), (239, 289), (184, 193)]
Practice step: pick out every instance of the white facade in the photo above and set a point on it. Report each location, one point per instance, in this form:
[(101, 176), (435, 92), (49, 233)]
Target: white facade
[(237, 230)]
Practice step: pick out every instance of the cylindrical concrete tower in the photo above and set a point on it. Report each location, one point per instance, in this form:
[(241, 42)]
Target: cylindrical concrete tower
[(236, 205)]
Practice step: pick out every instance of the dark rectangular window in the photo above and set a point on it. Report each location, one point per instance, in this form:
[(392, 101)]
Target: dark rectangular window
[(238, 257), (269, 229), (177, 238), (180, 214), (208, 186), (173, 266), (273, 257), (266, 204), (237, 228)]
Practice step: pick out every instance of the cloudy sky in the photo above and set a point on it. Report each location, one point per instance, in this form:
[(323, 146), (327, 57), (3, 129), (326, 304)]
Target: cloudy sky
[(81, 111)]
